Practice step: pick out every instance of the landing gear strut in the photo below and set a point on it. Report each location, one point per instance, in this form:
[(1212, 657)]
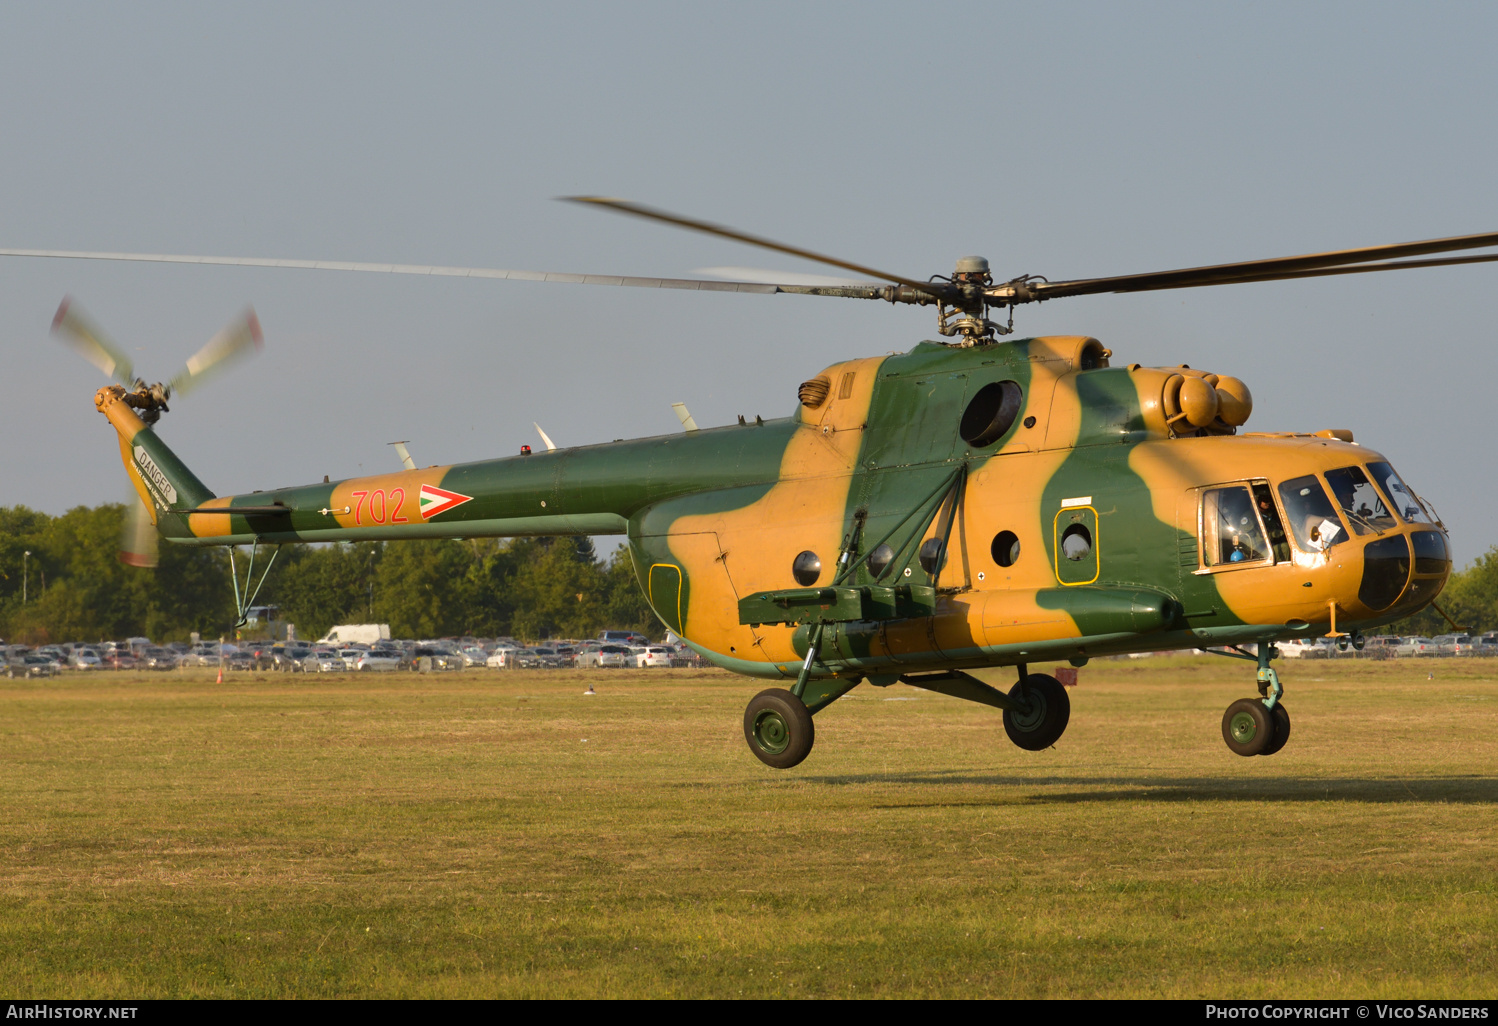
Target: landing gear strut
[(1259, 726)]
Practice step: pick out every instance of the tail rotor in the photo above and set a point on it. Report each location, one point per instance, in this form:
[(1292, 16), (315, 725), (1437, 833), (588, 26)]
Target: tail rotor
[(240, 337)]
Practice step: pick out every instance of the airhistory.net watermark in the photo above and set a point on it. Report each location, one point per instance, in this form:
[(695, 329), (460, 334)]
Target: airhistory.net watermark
[(47, 1010)]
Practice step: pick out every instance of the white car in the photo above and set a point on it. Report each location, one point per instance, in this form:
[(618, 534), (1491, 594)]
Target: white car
[(1301, 648), (654, 655), (604, 655), (328, 661), (503, 658), (375, 661), (84, 659)]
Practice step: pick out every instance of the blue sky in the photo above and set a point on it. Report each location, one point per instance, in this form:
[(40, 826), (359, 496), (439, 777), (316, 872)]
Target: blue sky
[(1062, 139)]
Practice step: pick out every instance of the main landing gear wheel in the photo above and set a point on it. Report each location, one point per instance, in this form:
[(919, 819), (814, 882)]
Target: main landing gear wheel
[(778, 728), (1044, 721), (1281, 717), (1249, 728)]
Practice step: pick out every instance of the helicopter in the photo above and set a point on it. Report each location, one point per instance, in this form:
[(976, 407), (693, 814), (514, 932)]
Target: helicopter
[(979, 501)]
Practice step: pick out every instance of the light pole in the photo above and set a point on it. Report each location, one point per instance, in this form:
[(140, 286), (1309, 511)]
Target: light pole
[(369, 613), (25, 571)]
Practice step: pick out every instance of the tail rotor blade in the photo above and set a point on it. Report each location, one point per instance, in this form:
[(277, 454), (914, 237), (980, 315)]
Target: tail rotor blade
[(73, 326), (138, 538), (239, 338)]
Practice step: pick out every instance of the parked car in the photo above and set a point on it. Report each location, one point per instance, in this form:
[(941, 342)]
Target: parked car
[(542, 657), (377, 661), (1453, 644), (1380, 646), (121, 659), (654, 655), (436, 658), (207, 653), (1302, 648), (325, 660), (85, 659), (240, 661), (155, 658), (623, 638), (32, 664), (1415, 647), (604, 655), (291, 659), (504, 657), (1487, 645)]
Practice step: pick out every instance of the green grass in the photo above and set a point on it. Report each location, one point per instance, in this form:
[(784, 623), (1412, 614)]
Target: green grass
[(488, 834)]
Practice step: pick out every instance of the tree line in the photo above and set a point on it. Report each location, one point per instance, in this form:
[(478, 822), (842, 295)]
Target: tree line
[(76, 589)]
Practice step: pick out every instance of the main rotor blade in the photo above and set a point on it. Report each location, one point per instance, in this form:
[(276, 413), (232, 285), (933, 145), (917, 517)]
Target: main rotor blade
[(688, 284), (238, 337), (772, 277), (651, 214), (74, 327), (1347, 261)]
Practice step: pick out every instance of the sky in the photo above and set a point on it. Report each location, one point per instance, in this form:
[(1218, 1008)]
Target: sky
[(1063, 139)]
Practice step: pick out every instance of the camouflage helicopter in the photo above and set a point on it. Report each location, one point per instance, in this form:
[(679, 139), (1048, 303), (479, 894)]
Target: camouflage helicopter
[(974, 502)]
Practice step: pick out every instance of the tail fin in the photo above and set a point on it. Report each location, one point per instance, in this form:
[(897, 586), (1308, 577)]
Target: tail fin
[(163, 481)]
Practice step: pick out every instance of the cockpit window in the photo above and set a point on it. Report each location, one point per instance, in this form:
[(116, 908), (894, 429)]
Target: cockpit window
[(1361, 504), (1401, 498), (1271, 518), (1230, 528), (1313, 519)]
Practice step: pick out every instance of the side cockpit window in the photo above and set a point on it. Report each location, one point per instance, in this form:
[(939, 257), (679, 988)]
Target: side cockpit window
[(1361, 504), (1231, 532), (1313, 518), (1400, 497)]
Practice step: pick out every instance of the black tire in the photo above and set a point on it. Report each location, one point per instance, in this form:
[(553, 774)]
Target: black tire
[(1248, 727), (778, 728), (1045, 721), (1281, 717)]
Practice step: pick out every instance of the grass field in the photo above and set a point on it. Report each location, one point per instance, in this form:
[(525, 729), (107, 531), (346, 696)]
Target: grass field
[(486, 834)]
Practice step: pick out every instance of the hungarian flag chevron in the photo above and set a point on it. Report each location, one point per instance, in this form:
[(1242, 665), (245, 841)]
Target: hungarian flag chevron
[(436, 500)]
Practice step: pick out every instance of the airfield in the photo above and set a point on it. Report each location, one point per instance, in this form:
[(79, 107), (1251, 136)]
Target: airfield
[(503, 834)]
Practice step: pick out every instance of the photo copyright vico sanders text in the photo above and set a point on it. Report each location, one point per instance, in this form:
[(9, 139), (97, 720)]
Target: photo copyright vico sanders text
[(1361, 1011)]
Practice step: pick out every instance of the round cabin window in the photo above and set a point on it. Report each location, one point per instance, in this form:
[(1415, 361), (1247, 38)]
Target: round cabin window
[(933, 555), (1076, 542), (1005, 548), (879, 560), (991, 413), (806, 568)]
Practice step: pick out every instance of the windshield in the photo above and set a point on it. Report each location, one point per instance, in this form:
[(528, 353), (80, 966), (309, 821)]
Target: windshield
[(1230, 527), (1361, 504), (1313, 519), (1401, 498)]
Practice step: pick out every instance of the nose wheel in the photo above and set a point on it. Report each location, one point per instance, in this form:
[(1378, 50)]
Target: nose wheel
[(1259, 726), (1250, 728)]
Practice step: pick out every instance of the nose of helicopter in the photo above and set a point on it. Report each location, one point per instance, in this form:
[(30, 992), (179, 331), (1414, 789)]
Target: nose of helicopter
[(1404, 569)]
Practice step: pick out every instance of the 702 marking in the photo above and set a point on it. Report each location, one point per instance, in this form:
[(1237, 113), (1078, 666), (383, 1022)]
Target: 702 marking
[(378, 507)]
